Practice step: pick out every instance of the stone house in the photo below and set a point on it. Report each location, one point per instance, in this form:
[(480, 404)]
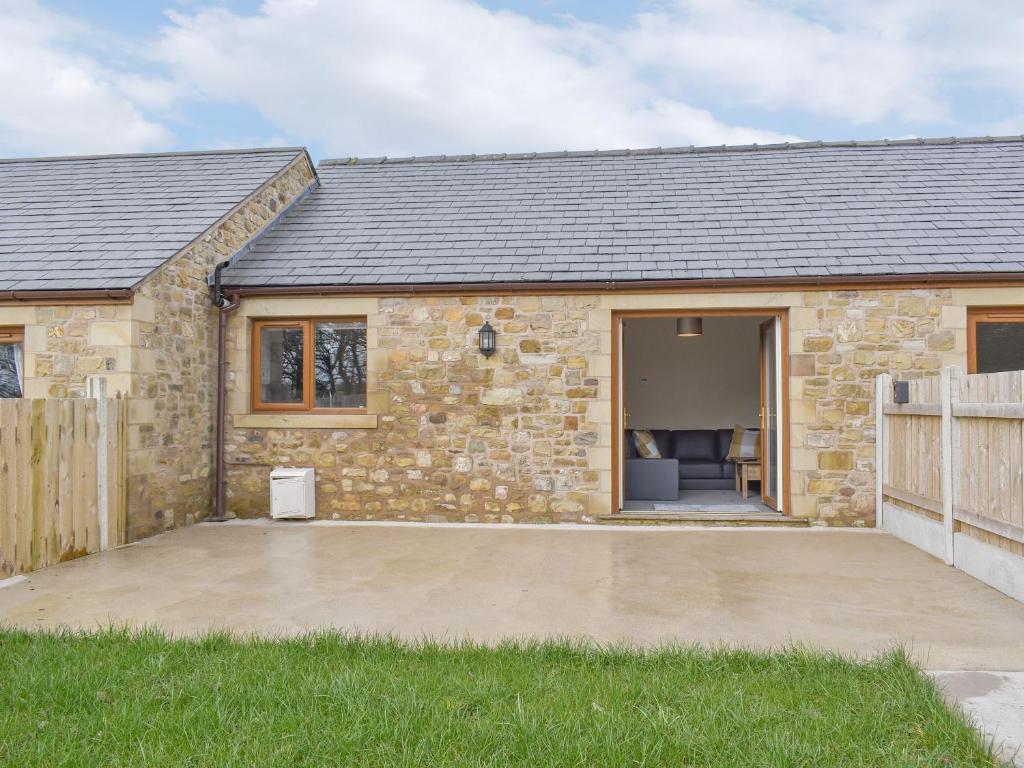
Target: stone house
[(864, 258), (353, 324), (103, 272)]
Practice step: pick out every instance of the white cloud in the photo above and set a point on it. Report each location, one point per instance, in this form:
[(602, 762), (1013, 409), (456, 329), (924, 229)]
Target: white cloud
[(859, 62), (59, 101), (768, 55), (427, 76), (447, 76), (409, 76)]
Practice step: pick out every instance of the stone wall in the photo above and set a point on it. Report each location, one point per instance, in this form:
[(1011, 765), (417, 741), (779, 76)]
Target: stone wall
[(840, 341), (174, 367), (526, 435), (449, 435), (459, 436), (67, 343)]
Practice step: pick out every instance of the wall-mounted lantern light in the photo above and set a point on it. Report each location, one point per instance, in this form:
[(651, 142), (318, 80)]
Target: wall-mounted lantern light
[(488, 340), (689, 326)]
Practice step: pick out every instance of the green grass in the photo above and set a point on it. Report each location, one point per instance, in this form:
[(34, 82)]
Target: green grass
[(119, 698)]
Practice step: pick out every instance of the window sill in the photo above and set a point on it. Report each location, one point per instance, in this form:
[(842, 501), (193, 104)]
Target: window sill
[(306, 421)]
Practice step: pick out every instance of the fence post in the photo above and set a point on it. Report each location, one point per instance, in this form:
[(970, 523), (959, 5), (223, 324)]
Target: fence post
[(949, 391), (883, 386), (955, 372), (96, 387)]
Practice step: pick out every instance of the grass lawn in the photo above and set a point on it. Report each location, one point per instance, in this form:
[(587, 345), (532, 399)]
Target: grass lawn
[(140, 699)]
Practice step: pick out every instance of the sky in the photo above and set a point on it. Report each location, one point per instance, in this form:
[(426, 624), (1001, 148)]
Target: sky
[(416, 77)]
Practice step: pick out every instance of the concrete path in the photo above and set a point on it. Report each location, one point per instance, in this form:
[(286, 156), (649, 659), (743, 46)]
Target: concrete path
[(856, 592), (995, 701)]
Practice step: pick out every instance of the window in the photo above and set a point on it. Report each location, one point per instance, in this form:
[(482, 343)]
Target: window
[(12, 361), (309, 365), (995, 340)]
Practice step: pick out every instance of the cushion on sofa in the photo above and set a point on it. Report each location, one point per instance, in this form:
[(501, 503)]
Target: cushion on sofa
[(722, 443), (700, 470), (663, 437), (694, 445), (645, 445), (746, 444)]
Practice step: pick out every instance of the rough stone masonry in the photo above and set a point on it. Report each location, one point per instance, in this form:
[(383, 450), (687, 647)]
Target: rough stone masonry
[(525, 436)]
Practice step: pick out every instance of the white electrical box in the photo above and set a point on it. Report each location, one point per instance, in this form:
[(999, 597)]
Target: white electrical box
[(293, 493)]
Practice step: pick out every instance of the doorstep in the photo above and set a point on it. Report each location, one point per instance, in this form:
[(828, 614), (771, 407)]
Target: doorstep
[(704, 518)]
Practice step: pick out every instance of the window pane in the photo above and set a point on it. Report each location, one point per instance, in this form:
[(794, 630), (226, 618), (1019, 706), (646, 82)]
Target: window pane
[(281, 365), (1000, 347), (339, 365), (11, 359)]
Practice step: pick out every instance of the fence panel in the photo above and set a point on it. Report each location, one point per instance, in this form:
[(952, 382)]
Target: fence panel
[(913, 457), (52, 498), (991, 456), (971, 427)]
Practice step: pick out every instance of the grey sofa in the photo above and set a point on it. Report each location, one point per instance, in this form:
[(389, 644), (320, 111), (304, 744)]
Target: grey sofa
[(691, 459)]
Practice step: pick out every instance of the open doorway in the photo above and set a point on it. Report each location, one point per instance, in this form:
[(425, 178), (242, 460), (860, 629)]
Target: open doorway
[(700, 404)]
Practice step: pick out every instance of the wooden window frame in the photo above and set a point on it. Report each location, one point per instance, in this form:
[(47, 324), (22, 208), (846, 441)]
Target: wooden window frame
[(987, 315), (12, 334), (308, 404)]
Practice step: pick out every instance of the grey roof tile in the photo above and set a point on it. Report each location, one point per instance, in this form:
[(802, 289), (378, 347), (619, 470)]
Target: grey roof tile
[(815, 210), (107, 222)]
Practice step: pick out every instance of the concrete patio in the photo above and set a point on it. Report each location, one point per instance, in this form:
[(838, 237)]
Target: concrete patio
[(846, 590)]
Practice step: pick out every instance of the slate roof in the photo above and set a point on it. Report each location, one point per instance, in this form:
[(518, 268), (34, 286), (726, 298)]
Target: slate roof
[(787, 211), (78, 223)]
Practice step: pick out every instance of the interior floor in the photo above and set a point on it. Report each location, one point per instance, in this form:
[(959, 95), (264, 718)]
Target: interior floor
[(723, 502)]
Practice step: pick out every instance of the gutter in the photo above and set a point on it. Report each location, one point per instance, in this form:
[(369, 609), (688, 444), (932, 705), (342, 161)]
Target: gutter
[(632, 286), (594, 286), (112, 294)]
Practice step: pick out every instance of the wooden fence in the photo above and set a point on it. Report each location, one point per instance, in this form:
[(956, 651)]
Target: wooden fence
[(62, 480), (951, 471)]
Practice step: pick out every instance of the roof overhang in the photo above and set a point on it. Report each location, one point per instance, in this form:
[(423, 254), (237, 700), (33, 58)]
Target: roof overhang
[(871, 282)]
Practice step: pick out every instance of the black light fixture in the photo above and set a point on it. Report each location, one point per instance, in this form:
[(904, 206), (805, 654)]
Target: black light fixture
[(901, 392), (488, 340), (689, 326)]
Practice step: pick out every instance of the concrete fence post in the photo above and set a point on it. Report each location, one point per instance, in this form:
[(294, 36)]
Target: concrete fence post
[(883, 387), (96, 388), (955, 372), (949, 390)]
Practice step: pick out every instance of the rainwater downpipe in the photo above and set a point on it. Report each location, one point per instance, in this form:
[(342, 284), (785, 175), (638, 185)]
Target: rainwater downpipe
[(225, 307)]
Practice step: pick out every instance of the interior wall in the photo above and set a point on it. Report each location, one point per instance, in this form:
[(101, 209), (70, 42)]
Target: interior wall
[(709, 381)]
